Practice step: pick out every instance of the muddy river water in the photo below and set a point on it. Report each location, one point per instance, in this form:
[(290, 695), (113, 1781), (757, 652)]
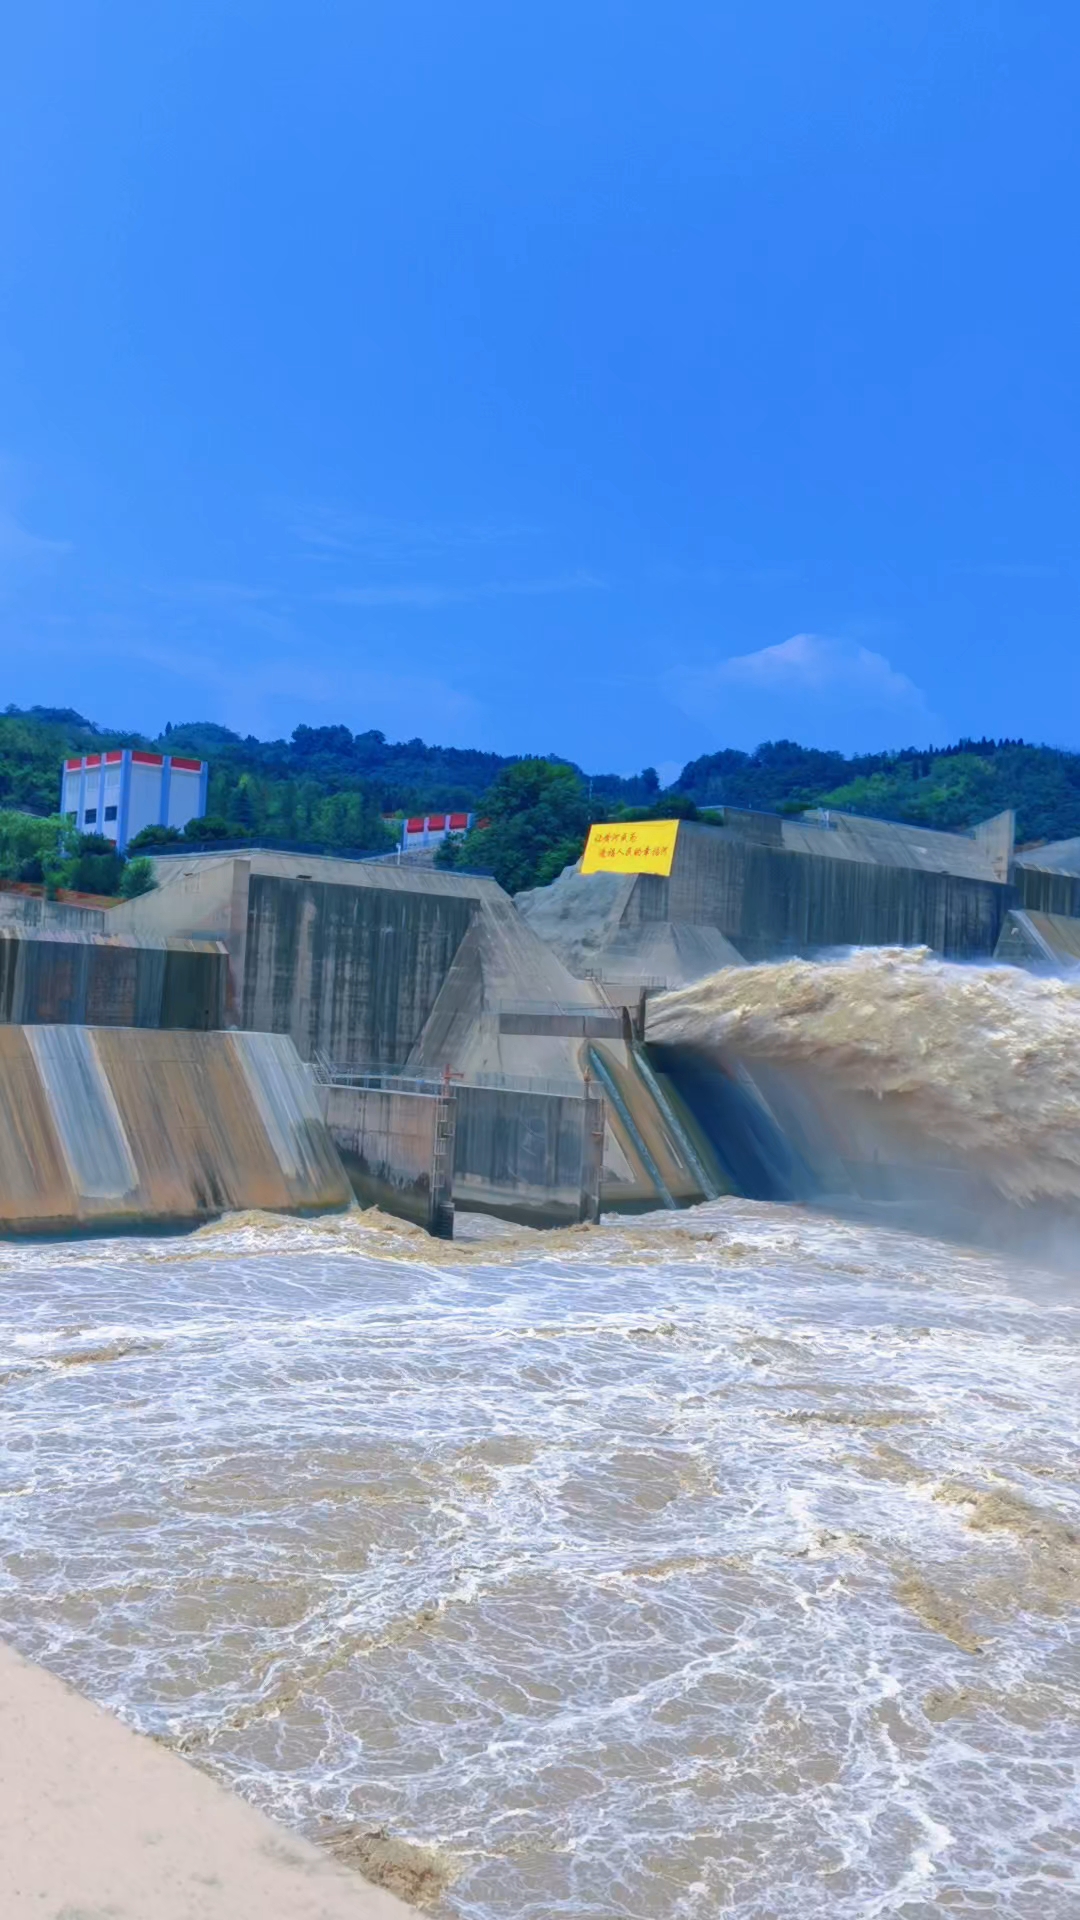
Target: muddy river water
[(723, 1566)]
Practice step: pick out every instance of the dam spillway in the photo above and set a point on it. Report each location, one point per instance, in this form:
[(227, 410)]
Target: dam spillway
[(403, 977), (106, 1129), (628, 1563), (893, 1085)]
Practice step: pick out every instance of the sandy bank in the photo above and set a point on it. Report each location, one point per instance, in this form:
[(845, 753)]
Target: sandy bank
[(96, 1821)]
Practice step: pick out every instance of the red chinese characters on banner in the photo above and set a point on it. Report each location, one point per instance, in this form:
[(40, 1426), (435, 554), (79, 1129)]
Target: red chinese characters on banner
[(637, 846)]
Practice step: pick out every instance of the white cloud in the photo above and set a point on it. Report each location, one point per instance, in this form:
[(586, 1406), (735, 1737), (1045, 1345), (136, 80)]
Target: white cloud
[(811, 688), (811, 663)]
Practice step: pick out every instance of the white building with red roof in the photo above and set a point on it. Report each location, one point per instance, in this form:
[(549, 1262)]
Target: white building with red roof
[(120, 792), (430, 829)]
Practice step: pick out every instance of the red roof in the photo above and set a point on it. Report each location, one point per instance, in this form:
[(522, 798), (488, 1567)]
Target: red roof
[(148, 759), (111, 758), (414, 826), (188, 766), (436, 821), (458, 821), (73, 766), (93, 759)]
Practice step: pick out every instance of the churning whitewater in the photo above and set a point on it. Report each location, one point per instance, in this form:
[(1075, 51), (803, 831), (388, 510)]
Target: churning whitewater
[(718, 1564), (983, 1060)]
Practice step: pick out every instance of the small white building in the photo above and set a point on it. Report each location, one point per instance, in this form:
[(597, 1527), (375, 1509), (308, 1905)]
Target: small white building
[(120, 792), (431, 829)]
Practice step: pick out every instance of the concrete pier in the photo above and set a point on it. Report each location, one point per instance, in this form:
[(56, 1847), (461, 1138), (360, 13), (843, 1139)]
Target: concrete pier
[(536, 1158), (396, 1142), (421, 1148), (97, 1823)]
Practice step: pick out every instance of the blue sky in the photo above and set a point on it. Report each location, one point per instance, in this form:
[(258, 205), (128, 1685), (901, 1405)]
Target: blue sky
[(614, 379)]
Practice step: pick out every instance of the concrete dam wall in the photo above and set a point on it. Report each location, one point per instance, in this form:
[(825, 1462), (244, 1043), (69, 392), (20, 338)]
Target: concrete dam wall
[(301, 931), (104, 980), (1044, 890), (775, 899), (373, 966), (761, 887), (421, 1149), (350, 971), (532, 1157), (109, 1128)]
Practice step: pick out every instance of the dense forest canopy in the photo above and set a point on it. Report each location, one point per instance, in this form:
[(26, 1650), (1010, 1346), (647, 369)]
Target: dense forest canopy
[(329, 787), (323, 787), (949, 787)]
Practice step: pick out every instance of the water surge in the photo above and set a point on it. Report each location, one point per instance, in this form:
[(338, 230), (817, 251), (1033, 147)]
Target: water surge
[(977, 1064)]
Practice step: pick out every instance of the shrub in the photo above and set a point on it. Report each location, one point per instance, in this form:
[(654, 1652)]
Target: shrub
[(137, 878)]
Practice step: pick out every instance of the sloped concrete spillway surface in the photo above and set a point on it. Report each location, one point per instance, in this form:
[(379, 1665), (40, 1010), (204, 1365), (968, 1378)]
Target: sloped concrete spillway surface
[(105, 1128), (1045, 942)]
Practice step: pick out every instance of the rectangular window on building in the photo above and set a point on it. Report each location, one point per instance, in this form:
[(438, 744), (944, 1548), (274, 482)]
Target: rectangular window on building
[(90, 817), (110, 813)]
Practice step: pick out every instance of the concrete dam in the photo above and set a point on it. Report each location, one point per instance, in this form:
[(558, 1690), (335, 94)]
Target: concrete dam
[(400, 1516), (296, 1032)]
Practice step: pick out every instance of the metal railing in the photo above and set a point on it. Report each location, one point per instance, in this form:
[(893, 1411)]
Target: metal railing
[(530, 1083), (186, 849), (333, 1073)]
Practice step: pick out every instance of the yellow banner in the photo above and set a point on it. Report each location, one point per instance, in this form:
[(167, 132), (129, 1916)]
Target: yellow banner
[(631, 846)]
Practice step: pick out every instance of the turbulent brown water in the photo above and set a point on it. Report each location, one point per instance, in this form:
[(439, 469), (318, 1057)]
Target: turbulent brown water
[(983, 1061), (723, 1565)]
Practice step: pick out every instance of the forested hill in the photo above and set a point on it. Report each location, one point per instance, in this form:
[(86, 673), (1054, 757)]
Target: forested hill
[(328, 786), (324, 786), (949, 787)]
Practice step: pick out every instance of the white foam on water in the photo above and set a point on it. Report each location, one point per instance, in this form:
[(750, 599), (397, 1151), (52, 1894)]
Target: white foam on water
[(983, 1061), (718, 1566)]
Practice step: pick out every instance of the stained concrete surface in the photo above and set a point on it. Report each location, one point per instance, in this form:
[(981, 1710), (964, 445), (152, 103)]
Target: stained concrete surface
[(532, 1157), (767, 886), (374, 965), (112, 1127), (389, 1140), (117, 980), (1046, 942)]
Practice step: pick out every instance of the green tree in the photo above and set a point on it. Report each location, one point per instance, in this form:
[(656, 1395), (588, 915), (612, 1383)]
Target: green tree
[(209, 827), (155, 837), (137, 878), (538, 815), (37, 850), (246, 804), (96, 867)]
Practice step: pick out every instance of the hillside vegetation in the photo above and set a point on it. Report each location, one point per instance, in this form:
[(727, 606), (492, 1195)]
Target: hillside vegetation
[(951, 788), (328, 787)]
